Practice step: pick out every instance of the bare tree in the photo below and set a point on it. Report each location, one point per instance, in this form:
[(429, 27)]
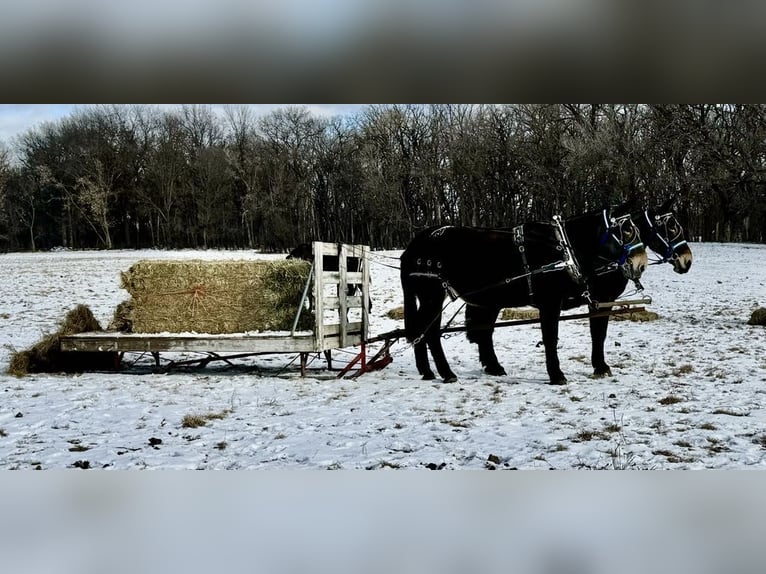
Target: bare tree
[(243, 158), (291, 137), (165, 171), (95, 194)]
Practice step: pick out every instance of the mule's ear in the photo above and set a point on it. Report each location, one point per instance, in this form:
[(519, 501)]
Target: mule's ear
[(668, 205), (627, 206)]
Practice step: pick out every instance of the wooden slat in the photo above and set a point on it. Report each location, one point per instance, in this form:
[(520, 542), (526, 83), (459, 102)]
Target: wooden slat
[(192, 343), (333, 342), (326, 248), (365, 259), (333, 277), (350, 328), (318, 292), (352, 302), (342, 304), (356, 250), (646, 300), (146, 343)]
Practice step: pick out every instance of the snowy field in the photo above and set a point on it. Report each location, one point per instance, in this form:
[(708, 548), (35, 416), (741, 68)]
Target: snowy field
[(688, 391)]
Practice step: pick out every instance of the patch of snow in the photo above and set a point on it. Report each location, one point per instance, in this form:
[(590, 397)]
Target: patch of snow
[(688, 390)]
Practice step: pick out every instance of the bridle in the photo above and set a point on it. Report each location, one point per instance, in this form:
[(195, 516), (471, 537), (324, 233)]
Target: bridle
[(666, 221), (623, 231)]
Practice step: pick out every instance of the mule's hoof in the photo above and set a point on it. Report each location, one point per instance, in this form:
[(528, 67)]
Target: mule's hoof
[(429, 377), (451, 379), (562, 380), (495, 370), (602, 373)]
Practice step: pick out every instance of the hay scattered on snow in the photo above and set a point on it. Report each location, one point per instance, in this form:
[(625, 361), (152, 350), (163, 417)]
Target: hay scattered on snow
[(636, 316), (396, 313), (531, 313), (46, 356), (516, 313), (758, 317), (215, 296)]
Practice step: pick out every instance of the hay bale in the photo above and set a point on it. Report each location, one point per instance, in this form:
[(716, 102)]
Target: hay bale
[(216, 296), (758, 317), (636, 316), (513, 314), (46, 355)]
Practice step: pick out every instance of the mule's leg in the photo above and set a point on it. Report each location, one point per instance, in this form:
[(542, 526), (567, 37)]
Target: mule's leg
[(476, 320), (421, 360), (422, 322), (434, 340), (430, 313), (414, 322), (549, 324), (598, 328)]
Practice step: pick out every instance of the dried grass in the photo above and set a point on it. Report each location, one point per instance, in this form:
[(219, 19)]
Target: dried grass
[(214, 296), (46, 356), (397, 313), (200, 420), (519, 313), (121, 321), (636, 316)]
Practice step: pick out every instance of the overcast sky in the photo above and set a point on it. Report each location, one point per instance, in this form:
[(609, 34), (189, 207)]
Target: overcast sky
[(15, 119)]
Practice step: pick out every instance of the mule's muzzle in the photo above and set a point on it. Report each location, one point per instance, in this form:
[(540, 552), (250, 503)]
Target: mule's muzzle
[(682, 262), (635, 265)]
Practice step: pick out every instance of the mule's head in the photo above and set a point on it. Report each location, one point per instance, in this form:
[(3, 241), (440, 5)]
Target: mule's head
[(606, 239), (664, 235), (620, 242), (302, 251)]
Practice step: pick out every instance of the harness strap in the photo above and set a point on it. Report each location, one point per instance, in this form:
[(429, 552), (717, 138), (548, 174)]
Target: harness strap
[(518, 239), (574, 269), (570, 261)]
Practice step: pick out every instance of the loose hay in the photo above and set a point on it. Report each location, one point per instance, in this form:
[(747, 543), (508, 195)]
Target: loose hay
[(523, 313), (215, 296), (636, 316), (758, 317), (47, 357), (397, 313), (517, 313), (121, 321)]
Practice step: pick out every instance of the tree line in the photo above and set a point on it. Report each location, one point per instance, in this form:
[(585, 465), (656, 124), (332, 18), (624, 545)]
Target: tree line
[(125, 176)]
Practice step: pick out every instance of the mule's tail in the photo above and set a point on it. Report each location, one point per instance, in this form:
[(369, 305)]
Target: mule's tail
[(411, 323)]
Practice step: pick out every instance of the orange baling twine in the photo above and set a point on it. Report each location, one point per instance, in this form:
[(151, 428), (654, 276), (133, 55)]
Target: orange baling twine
[(198, 293)]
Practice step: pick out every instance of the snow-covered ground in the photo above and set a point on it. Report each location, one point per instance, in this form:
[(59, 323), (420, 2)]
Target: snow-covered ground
[(688, 391)]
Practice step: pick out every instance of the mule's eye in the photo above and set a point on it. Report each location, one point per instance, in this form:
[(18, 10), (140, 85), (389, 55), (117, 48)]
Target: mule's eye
[(674, 227)]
